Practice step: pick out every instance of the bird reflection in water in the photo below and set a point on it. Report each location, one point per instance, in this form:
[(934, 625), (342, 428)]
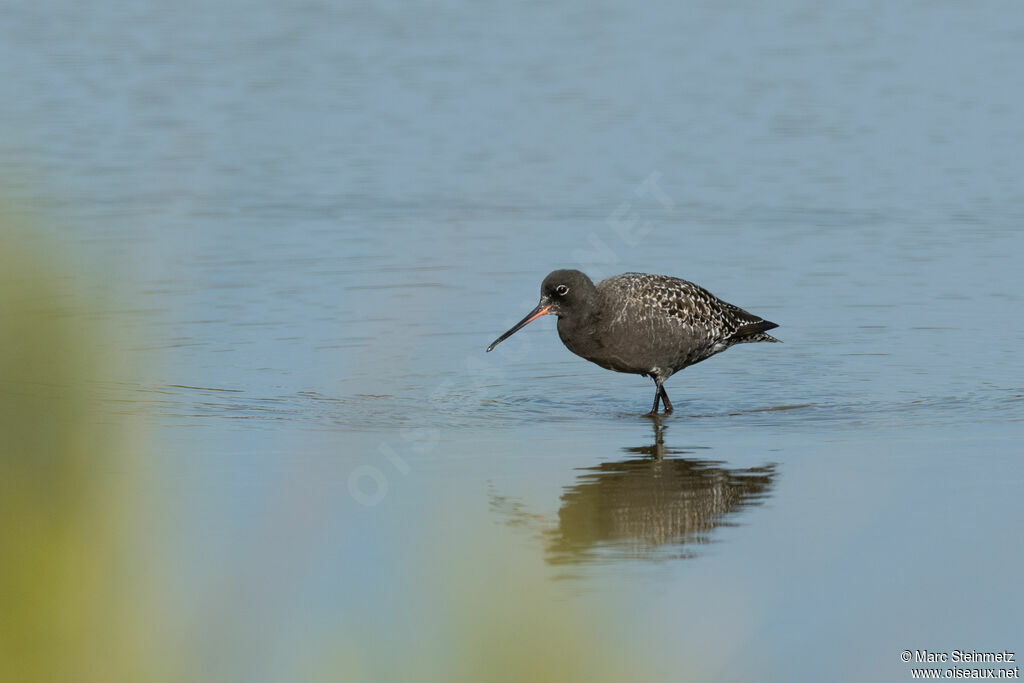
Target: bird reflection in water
[(654, 505)]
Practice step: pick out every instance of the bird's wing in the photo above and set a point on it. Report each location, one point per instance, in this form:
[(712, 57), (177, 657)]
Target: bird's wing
[(691, 305), (668, 301)]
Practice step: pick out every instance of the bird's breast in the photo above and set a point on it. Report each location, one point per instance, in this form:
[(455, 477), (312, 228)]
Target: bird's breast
[(607, 345)]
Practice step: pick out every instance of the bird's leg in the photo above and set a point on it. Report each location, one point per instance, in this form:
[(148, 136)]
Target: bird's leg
[(664, 399), (657, 397), (660, 395)]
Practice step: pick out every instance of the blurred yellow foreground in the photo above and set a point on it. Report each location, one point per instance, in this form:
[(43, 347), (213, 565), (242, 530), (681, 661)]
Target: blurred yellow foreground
[(73, 577)]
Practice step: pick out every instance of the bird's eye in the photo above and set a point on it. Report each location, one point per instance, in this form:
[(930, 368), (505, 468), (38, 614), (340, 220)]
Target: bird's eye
[(561, 290)]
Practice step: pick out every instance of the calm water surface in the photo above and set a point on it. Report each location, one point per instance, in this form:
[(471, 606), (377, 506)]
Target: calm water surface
[(314, 220)]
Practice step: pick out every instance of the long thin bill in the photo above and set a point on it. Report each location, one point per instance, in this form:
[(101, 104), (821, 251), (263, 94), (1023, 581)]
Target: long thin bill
[(541, 309)]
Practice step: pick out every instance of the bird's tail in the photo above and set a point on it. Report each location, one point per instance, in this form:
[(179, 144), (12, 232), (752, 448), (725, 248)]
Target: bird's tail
[(762, 337), (756, 332)]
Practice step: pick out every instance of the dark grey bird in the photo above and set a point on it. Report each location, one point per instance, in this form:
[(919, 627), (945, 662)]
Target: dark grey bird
[(651, 325)]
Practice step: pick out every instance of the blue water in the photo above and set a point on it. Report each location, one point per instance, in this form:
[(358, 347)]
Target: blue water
[(312, 220)]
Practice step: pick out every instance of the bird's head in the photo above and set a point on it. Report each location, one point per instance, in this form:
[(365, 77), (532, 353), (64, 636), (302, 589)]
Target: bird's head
[(562, 293), (565, 291)]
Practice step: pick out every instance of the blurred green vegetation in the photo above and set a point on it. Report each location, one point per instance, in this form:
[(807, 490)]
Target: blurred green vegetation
[(73, 578)]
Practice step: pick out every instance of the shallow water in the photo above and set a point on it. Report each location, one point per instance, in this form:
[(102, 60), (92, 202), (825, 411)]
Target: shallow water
[(315, 219)]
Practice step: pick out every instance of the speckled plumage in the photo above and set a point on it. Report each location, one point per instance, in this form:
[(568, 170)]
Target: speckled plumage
[(653, 325)]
